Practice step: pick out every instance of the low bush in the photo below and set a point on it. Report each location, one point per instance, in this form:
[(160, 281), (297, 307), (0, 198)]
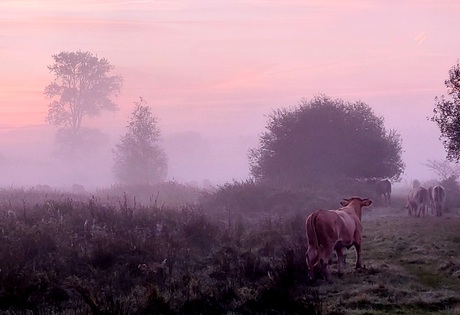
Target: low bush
[(93, 257)]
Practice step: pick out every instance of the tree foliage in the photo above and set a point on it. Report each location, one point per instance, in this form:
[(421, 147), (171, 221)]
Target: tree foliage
[(446, 114), (138, 157), (325, 138), (81, 87)]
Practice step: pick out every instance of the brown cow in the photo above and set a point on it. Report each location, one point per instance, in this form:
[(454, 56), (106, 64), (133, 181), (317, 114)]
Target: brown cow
[(438, 195), (417, 201), (329, 230), (383, 189)]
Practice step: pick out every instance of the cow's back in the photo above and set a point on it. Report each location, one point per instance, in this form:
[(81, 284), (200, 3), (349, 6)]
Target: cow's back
[(418, 199), (323, 223), (419, 195)]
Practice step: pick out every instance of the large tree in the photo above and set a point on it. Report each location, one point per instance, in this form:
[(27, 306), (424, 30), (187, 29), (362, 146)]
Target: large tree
[(325, 138), (138, 157), (446, 114), (81, 87)]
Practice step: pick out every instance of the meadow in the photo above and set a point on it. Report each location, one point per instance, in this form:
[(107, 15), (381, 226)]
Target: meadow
[(236, 250)]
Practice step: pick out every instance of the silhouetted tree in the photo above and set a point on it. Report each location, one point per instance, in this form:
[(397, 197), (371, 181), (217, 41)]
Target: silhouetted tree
[(443, 169), (138, 157), (81, 87), (446, 114), (324, 139)]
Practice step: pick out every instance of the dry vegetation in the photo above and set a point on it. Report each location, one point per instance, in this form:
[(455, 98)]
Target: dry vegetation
[(112, 254)]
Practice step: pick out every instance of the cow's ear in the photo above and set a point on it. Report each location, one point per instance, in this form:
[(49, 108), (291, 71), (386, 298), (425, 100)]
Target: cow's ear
[(366, 202), (345, 202)]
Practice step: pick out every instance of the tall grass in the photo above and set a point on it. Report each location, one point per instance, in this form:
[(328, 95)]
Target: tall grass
[(238, 249), (91, 256)]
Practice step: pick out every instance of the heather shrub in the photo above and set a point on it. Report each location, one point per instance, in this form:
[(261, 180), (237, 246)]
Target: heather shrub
[(104, 257)]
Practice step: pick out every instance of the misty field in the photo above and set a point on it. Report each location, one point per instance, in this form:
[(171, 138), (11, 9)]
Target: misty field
[(113, 254)]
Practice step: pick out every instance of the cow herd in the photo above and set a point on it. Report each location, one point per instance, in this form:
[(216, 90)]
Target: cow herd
[(333, 230), (420, 200)]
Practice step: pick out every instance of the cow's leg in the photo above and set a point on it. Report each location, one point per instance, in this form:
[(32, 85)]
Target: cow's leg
[(358, 255), (324, 268), (409, 208), (340, 260), (324, 260), (311, 258)]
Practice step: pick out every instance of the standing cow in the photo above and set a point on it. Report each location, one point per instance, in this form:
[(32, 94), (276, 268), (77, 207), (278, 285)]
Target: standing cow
[(418, 201), (329, 230), (383, 189), (438, 195)]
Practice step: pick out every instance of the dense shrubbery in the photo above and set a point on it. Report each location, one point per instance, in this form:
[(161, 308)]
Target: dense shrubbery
[(452, 192), (95, 256), (250, 198)]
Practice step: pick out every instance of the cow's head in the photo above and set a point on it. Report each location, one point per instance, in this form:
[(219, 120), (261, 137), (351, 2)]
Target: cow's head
[(356, 203), (362, 202)]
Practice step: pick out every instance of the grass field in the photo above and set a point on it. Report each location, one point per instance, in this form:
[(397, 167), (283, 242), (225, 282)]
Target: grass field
[(66, 254), (412, 267)]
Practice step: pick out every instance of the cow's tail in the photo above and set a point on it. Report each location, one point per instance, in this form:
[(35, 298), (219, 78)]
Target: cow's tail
[(312, 255)]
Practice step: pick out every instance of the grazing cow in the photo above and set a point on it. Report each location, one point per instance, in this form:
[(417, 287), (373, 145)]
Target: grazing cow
[(438, 196), (417, 201), (329, 230), (383, 189)]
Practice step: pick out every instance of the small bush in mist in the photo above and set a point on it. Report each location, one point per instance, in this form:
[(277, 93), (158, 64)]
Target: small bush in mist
[(138, 157)]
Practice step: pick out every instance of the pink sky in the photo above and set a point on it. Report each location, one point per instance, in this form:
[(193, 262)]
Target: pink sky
[(218, 67)]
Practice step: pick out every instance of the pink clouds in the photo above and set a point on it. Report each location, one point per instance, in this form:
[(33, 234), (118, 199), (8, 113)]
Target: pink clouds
[(210, 65)]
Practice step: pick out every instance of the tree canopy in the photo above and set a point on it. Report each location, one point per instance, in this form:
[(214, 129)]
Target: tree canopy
[(446, 114), (325, 138), (81, 87), (138, 157)]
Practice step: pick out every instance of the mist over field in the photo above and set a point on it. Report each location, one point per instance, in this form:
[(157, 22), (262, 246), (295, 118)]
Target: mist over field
[(212, 72), (193, 159)]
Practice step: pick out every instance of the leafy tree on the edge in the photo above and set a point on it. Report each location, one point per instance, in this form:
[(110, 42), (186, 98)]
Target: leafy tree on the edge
[(447, 114), (81, 87), (322, 139), (138, 157)]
